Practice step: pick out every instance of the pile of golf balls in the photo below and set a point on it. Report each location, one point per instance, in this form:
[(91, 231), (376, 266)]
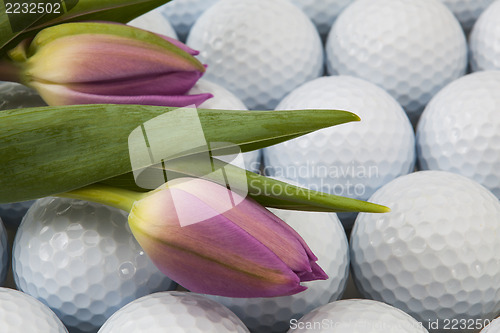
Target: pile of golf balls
[(423, 76)]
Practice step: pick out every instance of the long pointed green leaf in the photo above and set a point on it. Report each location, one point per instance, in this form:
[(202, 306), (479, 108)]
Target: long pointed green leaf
[(50, 150), (267, 191), (17, 26)]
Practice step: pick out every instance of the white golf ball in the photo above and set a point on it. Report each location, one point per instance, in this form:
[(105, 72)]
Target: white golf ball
[(81, 260), (258, 49), (353, 159), (493, 327), (174, 312), (20, 312), (459, 130), (357, 316), (15, 96), (410, 48), (184, 13), (467, 11), (325, 236), (225, 100), (13, 213), (322, 12), (155, 21), (4, 253), (436, 255), (484, 40)]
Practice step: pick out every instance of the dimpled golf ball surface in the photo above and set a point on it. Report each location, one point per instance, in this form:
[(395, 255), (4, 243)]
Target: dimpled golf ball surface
[(173, 312), (467, 11), (4, 254), (223, 99), (493, 327), (325, 236), (81, 259), (436, 255), (258, 49), (322, 12), (410, 48), (154, 21), (184, 13), (21, 313), (459, 130), (351, 159), (484, 40), (357, 316)]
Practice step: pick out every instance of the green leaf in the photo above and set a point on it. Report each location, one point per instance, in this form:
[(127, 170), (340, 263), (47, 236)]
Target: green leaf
[(267, 191), (16, 27), (49, 150)]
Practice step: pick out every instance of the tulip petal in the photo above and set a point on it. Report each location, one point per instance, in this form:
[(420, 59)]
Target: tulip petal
[(214, 256), (274, 233), (54, 94), (100, 57)]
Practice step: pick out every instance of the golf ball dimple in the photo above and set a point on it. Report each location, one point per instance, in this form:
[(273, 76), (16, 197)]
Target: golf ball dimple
[(155, 21), (223, 99), (410, 48), (484, 40), (184, 13), (327, 240), (436, 255), (322, 12), (352, 159), (467, 11), (260, 50), (357, 316), (173, 312), (459, 130), (20, 312), (4, 254), (81, 260)]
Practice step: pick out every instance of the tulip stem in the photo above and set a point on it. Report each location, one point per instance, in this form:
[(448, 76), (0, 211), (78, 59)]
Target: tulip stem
[(108, 195), (9, 71)]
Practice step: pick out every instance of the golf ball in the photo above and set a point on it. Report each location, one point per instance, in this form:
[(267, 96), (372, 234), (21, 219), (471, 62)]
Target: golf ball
[(352, 159), (467, 11), (260, 50), (484, 40), (20, 312), (155, 21), (13, 213), (410, 48), (436, 255), (322, 12), (357, 316), (174, 312), (81, 260), (225, 100), (326, 238), (493, 327), (4, 254), (184, 13), (459, 130)]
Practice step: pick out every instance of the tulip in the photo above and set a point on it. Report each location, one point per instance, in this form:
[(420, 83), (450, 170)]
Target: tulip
[(106, 63), (244, 251)]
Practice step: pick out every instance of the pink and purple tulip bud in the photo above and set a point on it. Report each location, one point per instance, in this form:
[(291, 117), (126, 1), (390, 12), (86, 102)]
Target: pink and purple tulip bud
[(245, 251), (106, 63)]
